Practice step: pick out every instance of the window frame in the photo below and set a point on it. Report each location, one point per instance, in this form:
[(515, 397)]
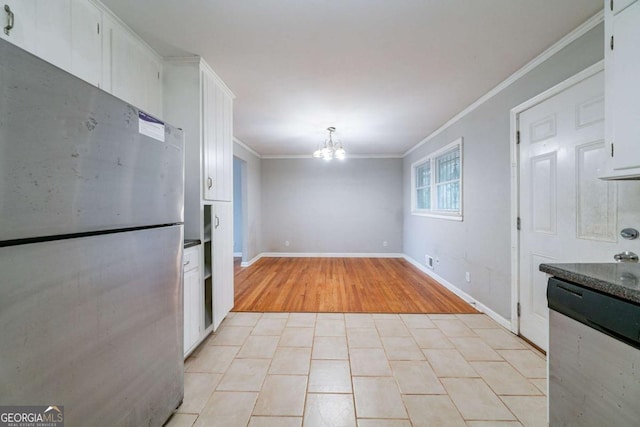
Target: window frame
[(433, 212)]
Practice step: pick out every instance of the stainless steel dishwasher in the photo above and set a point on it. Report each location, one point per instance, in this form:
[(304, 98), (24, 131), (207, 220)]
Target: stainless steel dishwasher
[(594, 357)]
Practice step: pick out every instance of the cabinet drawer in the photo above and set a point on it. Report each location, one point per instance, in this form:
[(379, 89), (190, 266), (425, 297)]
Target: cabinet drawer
[(191, 258)]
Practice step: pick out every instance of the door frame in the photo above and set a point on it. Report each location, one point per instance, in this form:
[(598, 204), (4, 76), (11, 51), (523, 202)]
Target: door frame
[(515, 178)]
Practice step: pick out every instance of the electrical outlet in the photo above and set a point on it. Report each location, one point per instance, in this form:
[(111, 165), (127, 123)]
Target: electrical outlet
[(286, 243), (385, 244), (428, 260), (467, 276)]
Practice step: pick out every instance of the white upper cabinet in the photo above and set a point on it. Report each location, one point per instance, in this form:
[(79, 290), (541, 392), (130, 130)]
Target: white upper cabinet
[(622, 90), (53, 32), (19, 23), (218, 138), (86, 41), (41, 27), (617, 6), (135, 72)]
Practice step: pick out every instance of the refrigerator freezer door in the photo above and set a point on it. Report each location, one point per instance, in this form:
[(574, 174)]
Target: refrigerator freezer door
[(74, 159), (94, 324)]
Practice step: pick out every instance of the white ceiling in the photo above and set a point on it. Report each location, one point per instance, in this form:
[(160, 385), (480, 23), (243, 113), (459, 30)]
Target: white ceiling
[(385, 73)]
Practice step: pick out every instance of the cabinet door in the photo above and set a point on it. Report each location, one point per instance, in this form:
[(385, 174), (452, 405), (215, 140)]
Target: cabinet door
[(23, 15), (135, 73), (617, 6), (217, 111), (223, 288), (191, 309), (209, 157), (227, 151), (53, 32), (623, 67), (86, 41)]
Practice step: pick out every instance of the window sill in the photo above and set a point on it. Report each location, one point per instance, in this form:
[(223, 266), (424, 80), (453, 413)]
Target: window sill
[(440, 215)]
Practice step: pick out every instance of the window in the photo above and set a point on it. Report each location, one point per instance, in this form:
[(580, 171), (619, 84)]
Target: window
[(436, 183)]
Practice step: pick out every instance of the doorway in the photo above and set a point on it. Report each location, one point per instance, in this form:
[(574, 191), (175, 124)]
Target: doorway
[(564, 212), (239, 209)]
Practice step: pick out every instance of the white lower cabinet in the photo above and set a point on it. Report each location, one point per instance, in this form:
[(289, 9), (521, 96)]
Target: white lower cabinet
[(218, 263), (222, 256), (192, 299)]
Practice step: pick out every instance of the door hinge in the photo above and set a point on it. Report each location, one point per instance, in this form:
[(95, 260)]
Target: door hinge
[(518, 309), (612, 149), (518, 224), (611, 42), (98, 27), (611, 5), (518, 137)]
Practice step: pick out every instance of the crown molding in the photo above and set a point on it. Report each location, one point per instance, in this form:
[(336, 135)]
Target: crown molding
[(348, 156), (246, 147), (588, 25)]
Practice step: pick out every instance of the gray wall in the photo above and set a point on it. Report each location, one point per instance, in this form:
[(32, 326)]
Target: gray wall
[(237, 205), (481, 243), (328, 207), (251, 204)]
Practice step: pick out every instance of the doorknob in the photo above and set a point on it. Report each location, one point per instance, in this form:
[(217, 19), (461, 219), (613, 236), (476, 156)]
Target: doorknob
[(629, 233), (626, 256)]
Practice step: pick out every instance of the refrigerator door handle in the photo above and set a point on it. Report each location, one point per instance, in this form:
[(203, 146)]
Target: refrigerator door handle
[(209, 183), (217, 222)]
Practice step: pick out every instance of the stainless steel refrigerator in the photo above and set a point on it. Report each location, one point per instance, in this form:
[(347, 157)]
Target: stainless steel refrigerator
[(91, 236)]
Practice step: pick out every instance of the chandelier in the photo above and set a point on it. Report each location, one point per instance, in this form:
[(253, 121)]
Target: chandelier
[(330, 149)]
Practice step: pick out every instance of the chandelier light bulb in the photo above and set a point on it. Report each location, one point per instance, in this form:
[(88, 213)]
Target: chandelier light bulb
[(330, 149)]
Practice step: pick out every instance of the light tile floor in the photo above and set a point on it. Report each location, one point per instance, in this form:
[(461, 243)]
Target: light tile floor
[(362, 370)]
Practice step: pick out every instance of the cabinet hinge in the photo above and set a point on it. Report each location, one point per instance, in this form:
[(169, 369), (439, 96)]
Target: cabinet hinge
[(611, 42), (518, 224), (518, 309), (612, 149), (518, 137)]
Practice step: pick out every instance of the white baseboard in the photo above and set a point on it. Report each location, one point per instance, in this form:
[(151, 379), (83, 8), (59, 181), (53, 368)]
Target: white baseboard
[(450, 286), (465, 296), (251, 261), (237, 254), (319, 255), (330, 255)]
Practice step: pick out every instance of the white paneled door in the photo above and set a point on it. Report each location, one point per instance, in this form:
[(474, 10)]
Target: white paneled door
[(567, 213)]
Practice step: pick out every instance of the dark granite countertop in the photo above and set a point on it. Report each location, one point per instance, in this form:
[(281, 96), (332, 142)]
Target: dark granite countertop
[(191, 242), (618, 279)]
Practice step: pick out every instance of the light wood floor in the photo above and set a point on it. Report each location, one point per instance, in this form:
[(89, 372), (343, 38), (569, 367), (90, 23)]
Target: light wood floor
[(341, 285)]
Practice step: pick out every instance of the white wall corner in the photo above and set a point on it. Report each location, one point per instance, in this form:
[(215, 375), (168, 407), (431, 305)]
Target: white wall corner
[(465, 296), (251, 261)]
